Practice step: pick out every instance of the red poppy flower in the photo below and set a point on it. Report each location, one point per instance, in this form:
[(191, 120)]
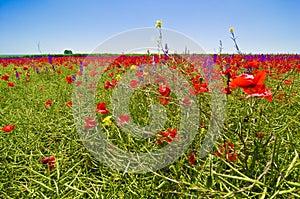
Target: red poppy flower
[(49, 162), (246, 80), (226, 151), (69, 103), (8, 128), (58, 71), (109, 85), (186, 101), (10, 84), (69, 79), (168, 135), (110, 74), (201, 87), (164, 100), (123, 119), (158, 141), (101, 108), (133, 83), (5, 77), (164, 90), (259, 91), (253, 64), (232, 157), (192, 158), (164, 133), (287, 82), (253, 86), (172, 132), (48, 103), (266, 94), (167, 139), (90, 123)]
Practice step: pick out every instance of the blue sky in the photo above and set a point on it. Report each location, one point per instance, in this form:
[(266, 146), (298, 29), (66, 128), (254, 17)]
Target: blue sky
[(262, 26)]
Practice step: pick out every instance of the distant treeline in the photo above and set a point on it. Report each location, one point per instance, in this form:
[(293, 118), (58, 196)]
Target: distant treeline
[(57, 55), (110, 54)]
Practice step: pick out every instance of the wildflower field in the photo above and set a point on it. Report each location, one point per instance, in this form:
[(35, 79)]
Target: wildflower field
[(153, 125), (255, 156)]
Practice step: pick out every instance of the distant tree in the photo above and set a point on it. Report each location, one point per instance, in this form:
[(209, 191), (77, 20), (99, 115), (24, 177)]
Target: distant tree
[(68, 52)]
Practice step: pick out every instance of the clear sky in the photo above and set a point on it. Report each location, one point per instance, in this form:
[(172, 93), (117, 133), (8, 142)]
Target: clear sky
[(262, 26)]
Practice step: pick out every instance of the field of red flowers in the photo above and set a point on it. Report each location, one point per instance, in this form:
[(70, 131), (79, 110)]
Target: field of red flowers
[(256, 154)]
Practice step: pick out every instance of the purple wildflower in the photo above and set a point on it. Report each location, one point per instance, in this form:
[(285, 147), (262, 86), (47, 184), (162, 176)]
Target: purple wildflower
[(73, 78), (81, 67), (17, 75), (50, 58)]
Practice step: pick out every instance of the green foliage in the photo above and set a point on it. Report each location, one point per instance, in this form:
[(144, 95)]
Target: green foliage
[(68, 52)]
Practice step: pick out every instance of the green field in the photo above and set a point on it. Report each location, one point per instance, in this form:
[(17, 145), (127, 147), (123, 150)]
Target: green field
[(264, 136)]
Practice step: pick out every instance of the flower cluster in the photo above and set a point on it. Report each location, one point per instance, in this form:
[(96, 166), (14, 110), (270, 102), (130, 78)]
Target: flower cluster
[(168, 136), (226, 151), (49, 162)]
